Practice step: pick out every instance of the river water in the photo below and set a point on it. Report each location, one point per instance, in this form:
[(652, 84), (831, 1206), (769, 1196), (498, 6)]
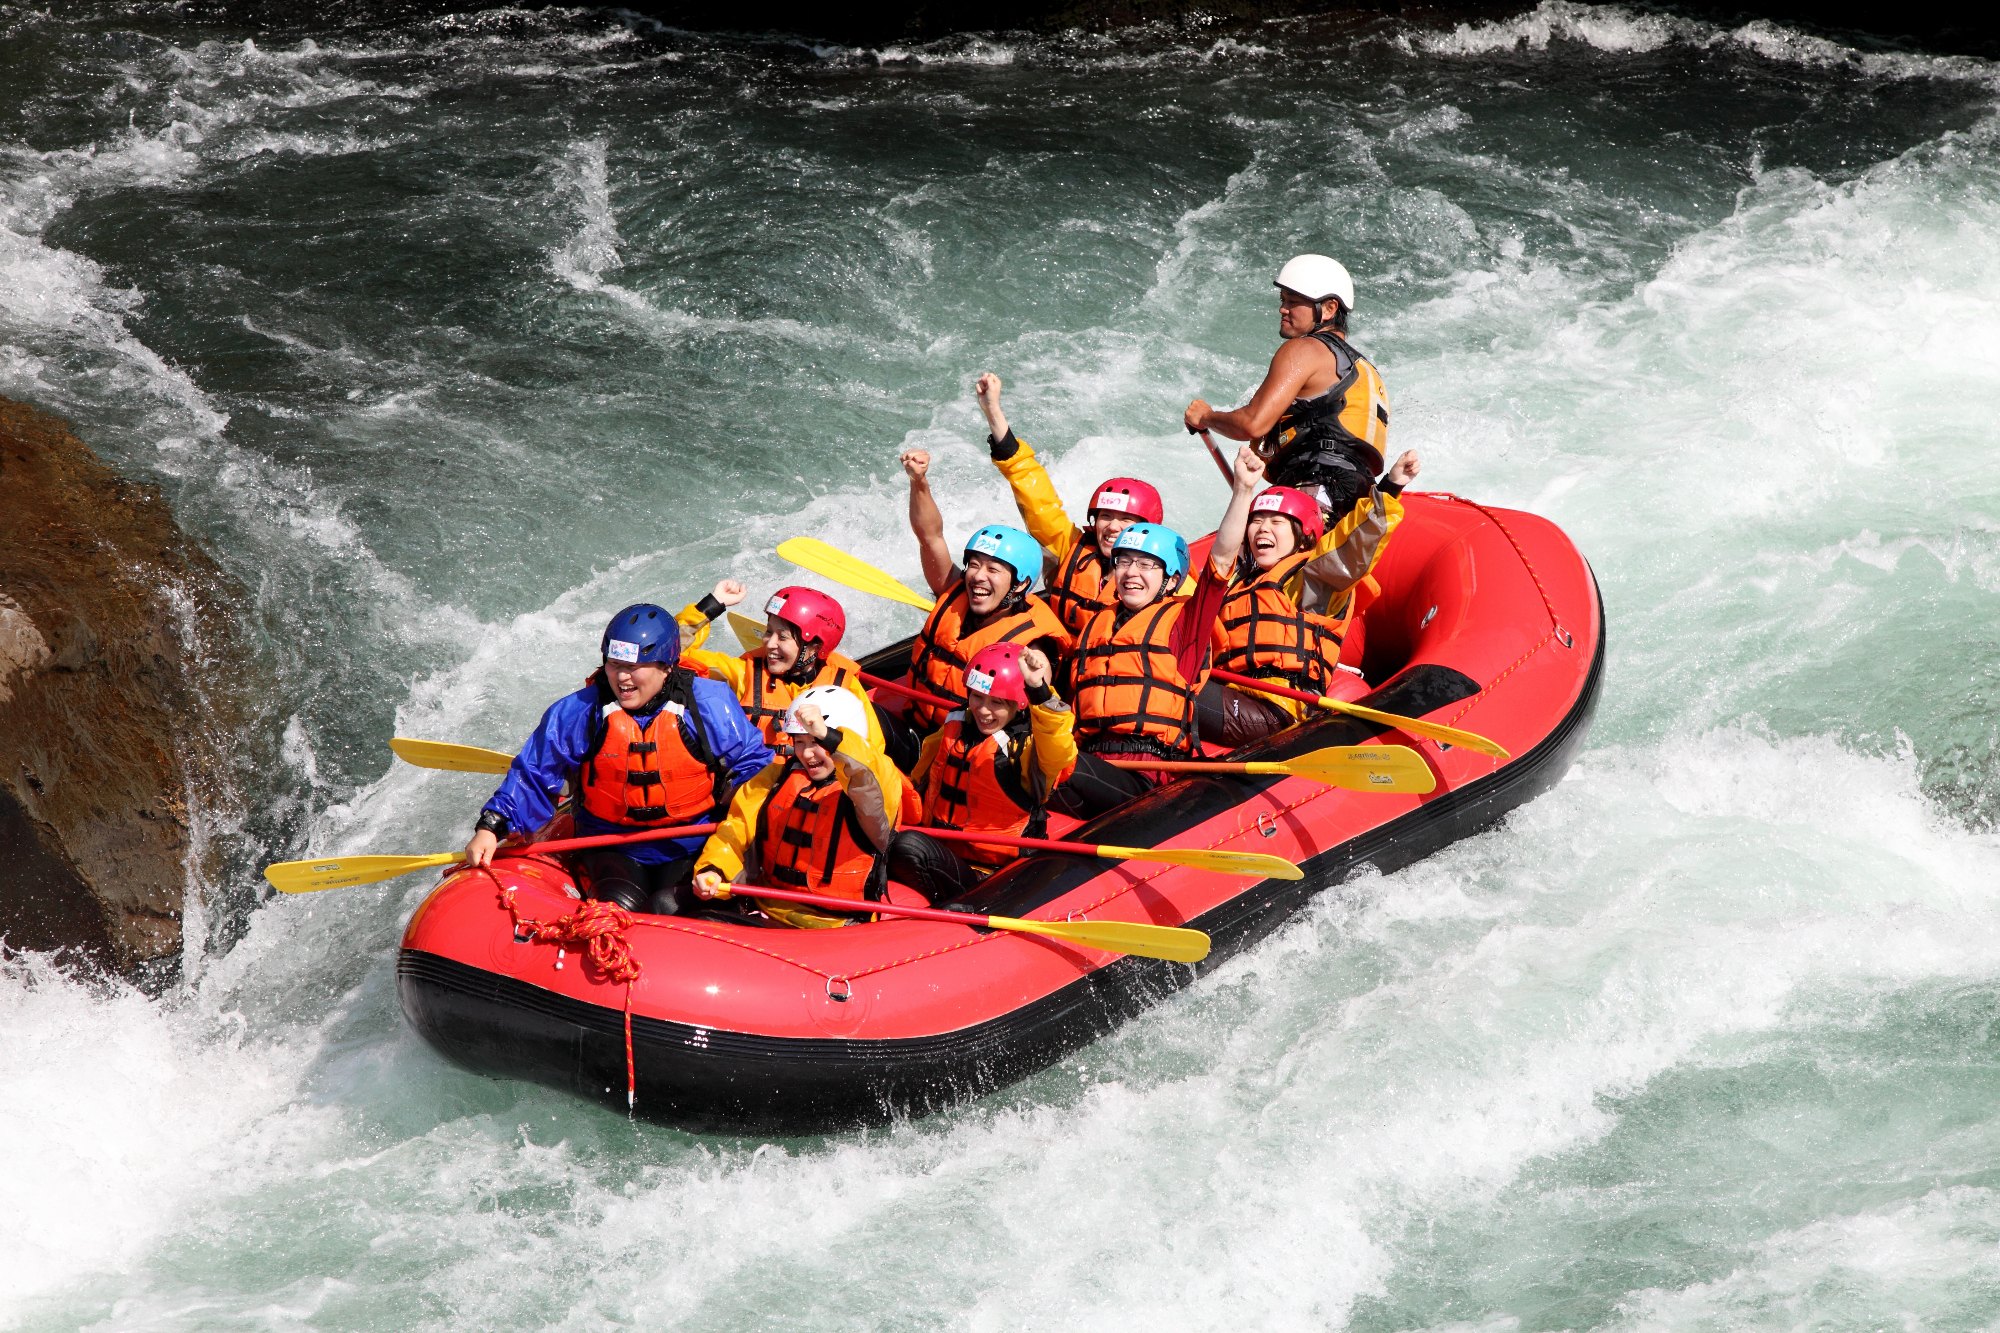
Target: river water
[(447, 338)]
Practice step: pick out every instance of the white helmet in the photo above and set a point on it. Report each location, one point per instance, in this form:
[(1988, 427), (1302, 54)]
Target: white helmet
[(1317, 278), (836, 704)]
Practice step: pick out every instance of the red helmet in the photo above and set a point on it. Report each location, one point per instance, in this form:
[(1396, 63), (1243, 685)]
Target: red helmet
[(1128, 495), (817, 615), (996, 670), (1292, 504)]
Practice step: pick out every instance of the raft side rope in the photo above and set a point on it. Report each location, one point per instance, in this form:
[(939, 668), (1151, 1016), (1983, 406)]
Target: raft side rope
[(595, 929), (1555, 622)]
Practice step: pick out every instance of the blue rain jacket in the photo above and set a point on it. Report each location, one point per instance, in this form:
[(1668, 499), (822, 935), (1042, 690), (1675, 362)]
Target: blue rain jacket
[(554, 752)]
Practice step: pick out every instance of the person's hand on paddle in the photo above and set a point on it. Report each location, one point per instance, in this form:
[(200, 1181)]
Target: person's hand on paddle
[(479, 852), (987, 387), (1197, 415), (1034, 668), (1406, 469), (729, 592), (710, 884)]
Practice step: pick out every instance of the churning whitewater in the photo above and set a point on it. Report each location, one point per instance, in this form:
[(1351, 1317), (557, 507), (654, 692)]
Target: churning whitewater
[(449, 338)]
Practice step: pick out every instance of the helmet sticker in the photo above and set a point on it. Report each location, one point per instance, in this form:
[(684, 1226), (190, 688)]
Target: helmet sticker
[(620, 651), (986, 542), (776, 606), (1265, 502), (1132, 539), (1117, 500), (980, 681)]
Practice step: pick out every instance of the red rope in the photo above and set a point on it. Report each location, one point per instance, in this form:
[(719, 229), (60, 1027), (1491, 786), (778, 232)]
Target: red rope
[(597, 931)]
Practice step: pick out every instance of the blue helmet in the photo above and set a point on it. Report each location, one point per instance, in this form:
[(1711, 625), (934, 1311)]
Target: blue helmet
[(641, 633), (1163, 544), (1010, 546)]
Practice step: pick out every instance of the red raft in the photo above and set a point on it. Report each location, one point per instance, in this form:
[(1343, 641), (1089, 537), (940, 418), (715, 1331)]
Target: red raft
[(1488, 619)]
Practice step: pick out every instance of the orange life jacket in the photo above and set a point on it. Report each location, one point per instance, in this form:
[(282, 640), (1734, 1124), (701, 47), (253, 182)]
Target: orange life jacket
[(813, 841), (1261, 631), (649, 776), (1130, 695), (944, 646), (766, 697), (971, 785), (1083, 586)]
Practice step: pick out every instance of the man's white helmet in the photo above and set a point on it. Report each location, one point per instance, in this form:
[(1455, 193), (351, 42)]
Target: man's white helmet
[(1317, 278), (836, 704)]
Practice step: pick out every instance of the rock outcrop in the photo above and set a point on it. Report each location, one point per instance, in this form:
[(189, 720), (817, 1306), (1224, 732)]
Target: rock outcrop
[(100, 731)]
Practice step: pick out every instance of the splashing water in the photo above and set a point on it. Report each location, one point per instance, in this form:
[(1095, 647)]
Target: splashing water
[(449, 338)]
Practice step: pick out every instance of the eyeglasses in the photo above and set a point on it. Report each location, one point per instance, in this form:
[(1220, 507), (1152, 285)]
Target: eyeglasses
[(1128, 559)]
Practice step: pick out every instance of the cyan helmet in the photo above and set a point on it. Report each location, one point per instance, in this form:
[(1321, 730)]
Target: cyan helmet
[(641, 633), (1163, 544), (1010, 546)]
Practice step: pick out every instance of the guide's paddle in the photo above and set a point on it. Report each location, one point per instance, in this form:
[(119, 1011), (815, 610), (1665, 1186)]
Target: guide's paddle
[(1387, 768), (340, 872), (748, 632), (1174, 943), (451, 758), (814, 554), (1216, 454), (1430, 730), (1255, 864)]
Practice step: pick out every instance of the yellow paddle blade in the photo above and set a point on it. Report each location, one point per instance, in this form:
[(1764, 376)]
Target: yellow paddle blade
[(748, 632), (814, 554), (1391, 768), (455, 758), (1428, 730), (1255, 864), (340, 872), (1170, 942)]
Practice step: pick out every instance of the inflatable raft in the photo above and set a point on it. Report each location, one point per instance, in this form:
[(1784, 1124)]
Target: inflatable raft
[(1487, 619)]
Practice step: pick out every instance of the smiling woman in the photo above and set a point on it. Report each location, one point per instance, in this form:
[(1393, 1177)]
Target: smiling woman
[(449, 337)]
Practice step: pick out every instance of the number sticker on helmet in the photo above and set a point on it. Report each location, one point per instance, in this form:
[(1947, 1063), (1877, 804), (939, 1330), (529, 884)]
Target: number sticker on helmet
[(987, 543), (776, 606), (620, 651), (979, 682)]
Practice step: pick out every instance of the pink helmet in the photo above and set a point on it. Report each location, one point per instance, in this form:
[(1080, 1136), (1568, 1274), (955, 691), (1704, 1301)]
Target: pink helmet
[(1128, 495), (1293, 504), (996, 670), (817, 615)]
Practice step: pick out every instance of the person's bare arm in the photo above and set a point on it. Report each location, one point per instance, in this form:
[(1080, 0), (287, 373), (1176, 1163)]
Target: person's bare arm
[(987, 387), (1290, 369), (927, 522), (1249, 471)]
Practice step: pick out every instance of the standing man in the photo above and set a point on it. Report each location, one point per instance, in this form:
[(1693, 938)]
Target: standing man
[(1321, 416)]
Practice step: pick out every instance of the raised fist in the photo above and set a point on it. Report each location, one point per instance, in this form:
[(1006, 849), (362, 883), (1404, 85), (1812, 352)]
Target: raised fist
[(729, 592), (916, 462)]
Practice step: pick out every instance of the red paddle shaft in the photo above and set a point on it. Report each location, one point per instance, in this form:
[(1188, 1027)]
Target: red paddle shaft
[(1266, 687), (909, 693), (1216, 454), (1000, 839), (857, 905), (605, 840)]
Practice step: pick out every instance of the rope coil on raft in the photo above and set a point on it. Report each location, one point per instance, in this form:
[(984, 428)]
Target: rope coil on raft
[(596, 930)]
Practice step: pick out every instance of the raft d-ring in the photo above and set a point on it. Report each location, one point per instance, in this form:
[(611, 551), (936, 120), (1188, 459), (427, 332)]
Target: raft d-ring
[(1075, 914), (844, 994), (1562, 636), (1267, 825)]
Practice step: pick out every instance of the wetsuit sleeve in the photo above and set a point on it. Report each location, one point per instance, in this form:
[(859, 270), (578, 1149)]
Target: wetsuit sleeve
[(728, 848), (1344, 556), (1035, 496), (731, 671), (1197, 621), (735, 742), (551, 754), (927, 755), (1051, 745), (693, 620), (872, 782)]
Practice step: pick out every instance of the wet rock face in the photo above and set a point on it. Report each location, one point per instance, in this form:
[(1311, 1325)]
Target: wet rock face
[(99, 733)]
